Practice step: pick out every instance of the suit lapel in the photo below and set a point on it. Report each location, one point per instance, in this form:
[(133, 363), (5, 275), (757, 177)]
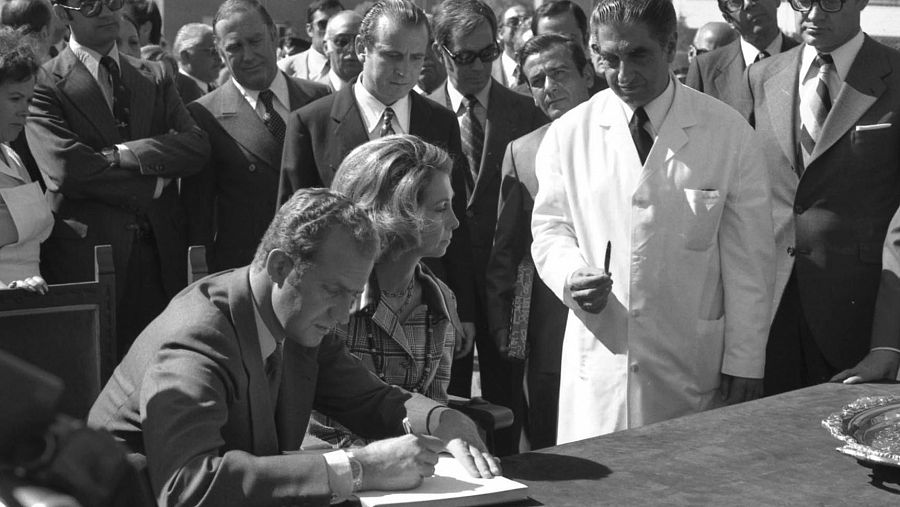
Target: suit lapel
[(244, 125), (296, 96), (865, 83), (671, 135), (262, 420), (142, 104), (730, 65), (781, 103), (348, 128), (84, 93)]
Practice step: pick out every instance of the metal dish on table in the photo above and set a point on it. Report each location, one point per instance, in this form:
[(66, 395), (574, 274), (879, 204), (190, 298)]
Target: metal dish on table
[(870, 429)]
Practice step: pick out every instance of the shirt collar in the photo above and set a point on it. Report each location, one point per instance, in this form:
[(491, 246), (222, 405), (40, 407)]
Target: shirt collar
[(456, 98), (91, 58), (657, 109), (843, 57), (278, 86), (337, 84), (315, 63), (509, 68), (204, 87), (750, 52), (372, 109)]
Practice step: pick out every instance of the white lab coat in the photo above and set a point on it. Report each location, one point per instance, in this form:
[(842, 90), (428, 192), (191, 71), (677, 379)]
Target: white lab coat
[(692, 259)]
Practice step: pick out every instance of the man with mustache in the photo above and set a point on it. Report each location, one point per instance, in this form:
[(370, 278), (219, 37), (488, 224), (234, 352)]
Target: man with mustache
[(340, 38)]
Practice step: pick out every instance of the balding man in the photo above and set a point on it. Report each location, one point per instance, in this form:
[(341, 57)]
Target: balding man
[(711, 36), (721, 72), (339, 48), (198, 61)]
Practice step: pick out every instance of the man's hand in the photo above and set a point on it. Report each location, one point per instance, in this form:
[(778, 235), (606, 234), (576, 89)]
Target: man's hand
[(464, 443), (398, 463), (32, 284), (740, 389), (464, 340), (501, 341), (877, 365), (590, 288)]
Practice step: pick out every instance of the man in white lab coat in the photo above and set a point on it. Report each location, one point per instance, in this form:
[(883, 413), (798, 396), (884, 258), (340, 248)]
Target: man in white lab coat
[(674, 181)]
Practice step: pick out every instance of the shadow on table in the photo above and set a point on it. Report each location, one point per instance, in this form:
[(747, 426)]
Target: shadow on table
[(885, 478), (552, 467)]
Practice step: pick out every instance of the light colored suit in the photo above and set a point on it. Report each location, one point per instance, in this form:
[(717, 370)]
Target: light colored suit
[(692, 243), (299, 66)]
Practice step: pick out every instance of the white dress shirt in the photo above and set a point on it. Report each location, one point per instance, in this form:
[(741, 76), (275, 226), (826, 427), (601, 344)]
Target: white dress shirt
[(372, 110), (279, 88)]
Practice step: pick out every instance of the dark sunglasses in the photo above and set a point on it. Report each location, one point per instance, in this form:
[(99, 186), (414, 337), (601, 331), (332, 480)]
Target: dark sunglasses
[(825, 5), (91, 8), (486, 55), (321, 24)]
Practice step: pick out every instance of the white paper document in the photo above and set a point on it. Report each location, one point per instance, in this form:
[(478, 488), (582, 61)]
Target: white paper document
[(450, 486)]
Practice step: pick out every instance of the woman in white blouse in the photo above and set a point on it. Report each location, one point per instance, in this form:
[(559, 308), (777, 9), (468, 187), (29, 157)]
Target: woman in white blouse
[(25, 217)]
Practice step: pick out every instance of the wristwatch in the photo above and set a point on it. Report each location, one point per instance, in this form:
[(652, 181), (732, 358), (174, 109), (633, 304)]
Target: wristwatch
[(356, 471), (112, 156)]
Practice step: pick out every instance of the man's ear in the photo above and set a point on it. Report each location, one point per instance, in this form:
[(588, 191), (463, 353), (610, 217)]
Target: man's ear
[(278, 266), (671, 46), (587, 73), (360, 45), (439, 51), (309, 31), (62, 14)]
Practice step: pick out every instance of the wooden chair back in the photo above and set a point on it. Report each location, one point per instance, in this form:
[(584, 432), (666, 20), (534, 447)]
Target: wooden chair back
[(197, 267), (69, 332)]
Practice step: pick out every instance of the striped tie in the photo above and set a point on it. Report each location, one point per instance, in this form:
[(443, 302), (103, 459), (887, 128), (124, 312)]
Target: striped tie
[(815, 104), (472, 139)]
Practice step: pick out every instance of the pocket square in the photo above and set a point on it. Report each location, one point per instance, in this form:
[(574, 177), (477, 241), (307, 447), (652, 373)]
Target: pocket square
[(877, 126)]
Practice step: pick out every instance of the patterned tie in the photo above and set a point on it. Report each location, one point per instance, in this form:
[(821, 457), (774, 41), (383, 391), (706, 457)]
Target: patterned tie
[(272, 119), (642, 140), (121, 97), (472, 139), (762, 56), (273, 370), (815, 103), (387, 127)]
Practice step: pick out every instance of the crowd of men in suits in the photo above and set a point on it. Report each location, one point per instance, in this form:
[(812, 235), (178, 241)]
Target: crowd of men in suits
[(749, 237)]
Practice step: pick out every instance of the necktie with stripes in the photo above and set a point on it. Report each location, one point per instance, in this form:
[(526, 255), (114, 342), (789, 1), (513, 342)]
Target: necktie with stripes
[(472, 139), (815, 104)]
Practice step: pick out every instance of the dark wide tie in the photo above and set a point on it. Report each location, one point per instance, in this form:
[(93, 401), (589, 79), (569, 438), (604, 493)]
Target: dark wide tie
[(273, 370), (642, 140), (272, 119), (472, 139), (121, 97), (387, 126)]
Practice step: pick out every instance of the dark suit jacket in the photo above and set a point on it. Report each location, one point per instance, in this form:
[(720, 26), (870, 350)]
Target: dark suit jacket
[(231, 202), (192, 395), (512, 245), (69, 124), (321, 134), (720, 74), (509, 115), (187, 88), (835, 216)]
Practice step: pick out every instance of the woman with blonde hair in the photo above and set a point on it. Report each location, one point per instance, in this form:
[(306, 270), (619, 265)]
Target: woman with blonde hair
[(405, 326)]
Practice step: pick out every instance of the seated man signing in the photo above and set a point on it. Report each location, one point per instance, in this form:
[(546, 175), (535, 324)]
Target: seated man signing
[(219, 387)]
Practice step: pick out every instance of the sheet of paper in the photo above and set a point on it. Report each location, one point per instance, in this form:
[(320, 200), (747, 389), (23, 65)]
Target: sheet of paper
[(450, 486)]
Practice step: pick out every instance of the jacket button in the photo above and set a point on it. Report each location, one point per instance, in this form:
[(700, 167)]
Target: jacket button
[(635, 368), (791, 251), (470, 214), (798, 209), (252, 167)]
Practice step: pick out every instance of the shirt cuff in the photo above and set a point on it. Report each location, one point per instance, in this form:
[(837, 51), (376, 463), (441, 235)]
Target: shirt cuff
[(340, 477), (160, 185), (892, 349)]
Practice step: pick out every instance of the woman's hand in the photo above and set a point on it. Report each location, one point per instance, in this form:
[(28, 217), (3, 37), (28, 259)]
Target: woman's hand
[(34, 283)]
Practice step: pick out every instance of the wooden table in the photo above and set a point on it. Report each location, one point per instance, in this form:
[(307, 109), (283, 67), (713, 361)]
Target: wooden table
[(772, 451)]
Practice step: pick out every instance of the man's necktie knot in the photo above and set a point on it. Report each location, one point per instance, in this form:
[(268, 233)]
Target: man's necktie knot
[(387, 125), (272, 119), (762, 56)]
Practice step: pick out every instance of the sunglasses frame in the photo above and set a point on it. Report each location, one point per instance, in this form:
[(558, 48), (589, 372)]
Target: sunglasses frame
[(461, 58), (795, 4), (97, 7)]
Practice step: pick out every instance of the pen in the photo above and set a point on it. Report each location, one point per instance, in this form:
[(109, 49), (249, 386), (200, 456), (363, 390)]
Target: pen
[(407, 426), (606, 259)]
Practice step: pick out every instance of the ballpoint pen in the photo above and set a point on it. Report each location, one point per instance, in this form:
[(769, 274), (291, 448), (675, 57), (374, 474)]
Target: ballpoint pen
[(606, 259)]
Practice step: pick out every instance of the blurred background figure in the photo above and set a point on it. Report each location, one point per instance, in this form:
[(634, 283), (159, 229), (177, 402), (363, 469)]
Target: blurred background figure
[(37, 21), (340, 36), (128, 42), (567, 18), (198, 61), (291, 44), (711, 36), (156, 53), (433, 73), (148, 19), (404, 327), (505, 70), (25, 217), (312, 64)]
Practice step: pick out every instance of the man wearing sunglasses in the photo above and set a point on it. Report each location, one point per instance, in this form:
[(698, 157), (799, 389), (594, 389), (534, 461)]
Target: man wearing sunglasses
[(391, 46), (490, 116), (112, 136), (340, 38), (506, 71), (720, 73), (198, 61), (231, 202), (828, 113), (312, 64)]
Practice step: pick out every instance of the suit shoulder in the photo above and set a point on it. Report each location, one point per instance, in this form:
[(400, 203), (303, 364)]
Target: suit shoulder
[(531, 138), (156, 71), (763, 69), (311, 88), (437, 109), (317, 109)]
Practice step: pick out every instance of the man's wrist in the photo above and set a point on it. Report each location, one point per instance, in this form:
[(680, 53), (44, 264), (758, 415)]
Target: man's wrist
[(112, 156), (356, 471)]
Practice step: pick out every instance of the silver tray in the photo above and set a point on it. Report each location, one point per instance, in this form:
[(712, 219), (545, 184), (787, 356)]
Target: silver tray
[(870, 429)]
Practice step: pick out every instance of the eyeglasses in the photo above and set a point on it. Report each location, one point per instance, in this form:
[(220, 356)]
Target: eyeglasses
[(514, 21), (825, 5), (343, 40), (91, 8), (486, 55)]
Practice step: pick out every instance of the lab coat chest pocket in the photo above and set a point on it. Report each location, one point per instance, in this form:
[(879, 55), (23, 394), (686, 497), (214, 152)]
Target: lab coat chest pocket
[(701, 218)]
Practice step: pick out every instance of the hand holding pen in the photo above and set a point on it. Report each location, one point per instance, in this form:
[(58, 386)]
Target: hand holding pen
[(590, 287)]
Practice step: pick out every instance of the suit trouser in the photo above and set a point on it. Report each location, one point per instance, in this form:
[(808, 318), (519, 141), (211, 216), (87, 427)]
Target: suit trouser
[(144, 297), (793, 358)]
